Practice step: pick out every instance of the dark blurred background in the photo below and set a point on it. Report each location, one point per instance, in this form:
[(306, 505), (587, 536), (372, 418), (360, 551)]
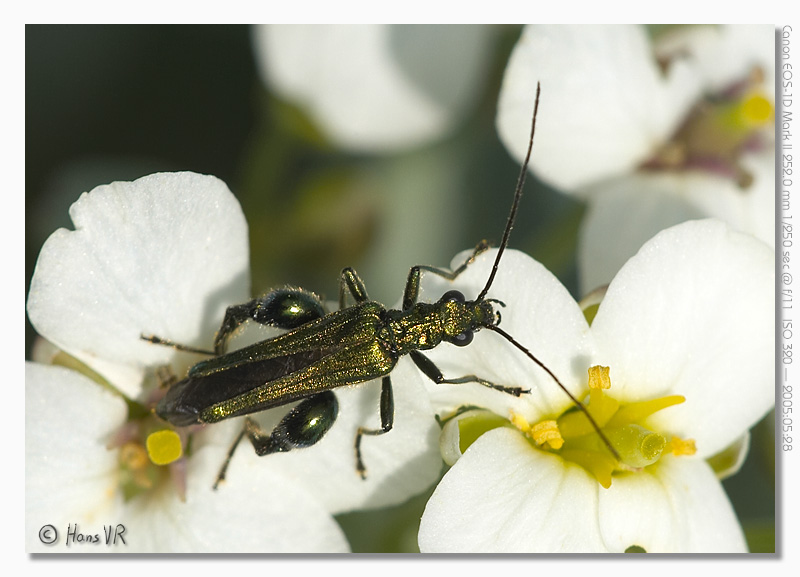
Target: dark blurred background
[(106, 103)]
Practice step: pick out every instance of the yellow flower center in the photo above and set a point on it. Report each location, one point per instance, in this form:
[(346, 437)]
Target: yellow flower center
[(574, 438), (141, 453), (142, 457)]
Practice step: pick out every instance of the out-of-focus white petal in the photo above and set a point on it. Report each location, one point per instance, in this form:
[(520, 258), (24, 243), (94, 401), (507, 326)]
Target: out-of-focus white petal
[(722, 55), (623, 214), (539, 313), (627, 211), (605, 105), (139, 261), (759, 202), (70, 475), (376, 88), (505, 497), (692, 314), (678, 508)]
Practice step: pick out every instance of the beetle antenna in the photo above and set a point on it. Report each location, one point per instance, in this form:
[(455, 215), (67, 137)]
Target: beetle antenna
[(517, 195), (506, 233)]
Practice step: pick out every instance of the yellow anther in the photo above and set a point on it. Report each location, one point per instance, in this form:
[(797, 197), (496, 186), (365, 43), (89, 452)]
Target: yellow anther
[(756, 110), (133, 456), (164, 447), (520, 422), (547, 432), (134, 461), (599, 377), (680, 446)]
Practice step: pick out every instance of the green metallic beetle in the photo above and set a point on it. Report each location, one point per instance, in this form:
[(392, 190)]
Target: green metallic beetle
[(320, 352)]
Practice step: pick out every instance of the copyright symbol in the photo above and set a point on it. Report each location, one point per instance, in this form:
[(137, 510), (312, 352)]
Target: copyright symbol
[(48, 534)]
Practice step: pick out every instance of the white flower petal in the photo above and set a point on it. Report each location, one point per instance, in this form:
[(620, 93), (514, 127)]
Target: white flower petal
[(605, 106), (138, 262), (678, 508), (692, 314), (69, 473), (450, 441), (258, 510), (72, 480), (376, 88), (539, 313), (503, 496)]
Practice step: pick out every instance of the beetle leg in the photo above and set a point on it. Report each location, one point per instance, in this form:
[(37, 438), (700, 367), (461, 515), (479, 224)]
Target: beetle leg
[(387, 421), (350, 281), (177, 346), (431, 371), (302, 427), (286, 308), (411, 292)]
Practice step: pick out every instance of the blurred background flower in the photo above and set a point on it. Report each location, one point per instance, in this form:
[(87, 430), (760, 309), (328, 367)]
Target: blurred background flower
[(652, 126), (107, 103), (414, 83)]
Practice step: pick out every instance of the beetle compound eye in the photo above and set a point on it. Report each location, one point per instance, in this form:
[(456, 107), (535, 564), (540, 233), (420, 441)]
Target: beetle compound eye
[(453, 295), (463, 339)]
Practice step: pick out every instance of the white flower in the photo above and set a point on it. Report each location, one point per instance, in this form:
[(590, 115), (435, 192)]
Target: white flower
[(376, 88), (165, 255), (689, 316), (650, 132), (73, 483)]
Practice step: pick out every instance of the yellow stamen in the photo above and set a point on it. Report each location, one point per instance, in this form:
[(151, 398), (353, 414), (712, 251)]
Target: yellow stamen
[(601, 406), (164, 447), (680, 446), (520, 422), (133, 459), (546, 432), (599, 377), (133, 456)]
